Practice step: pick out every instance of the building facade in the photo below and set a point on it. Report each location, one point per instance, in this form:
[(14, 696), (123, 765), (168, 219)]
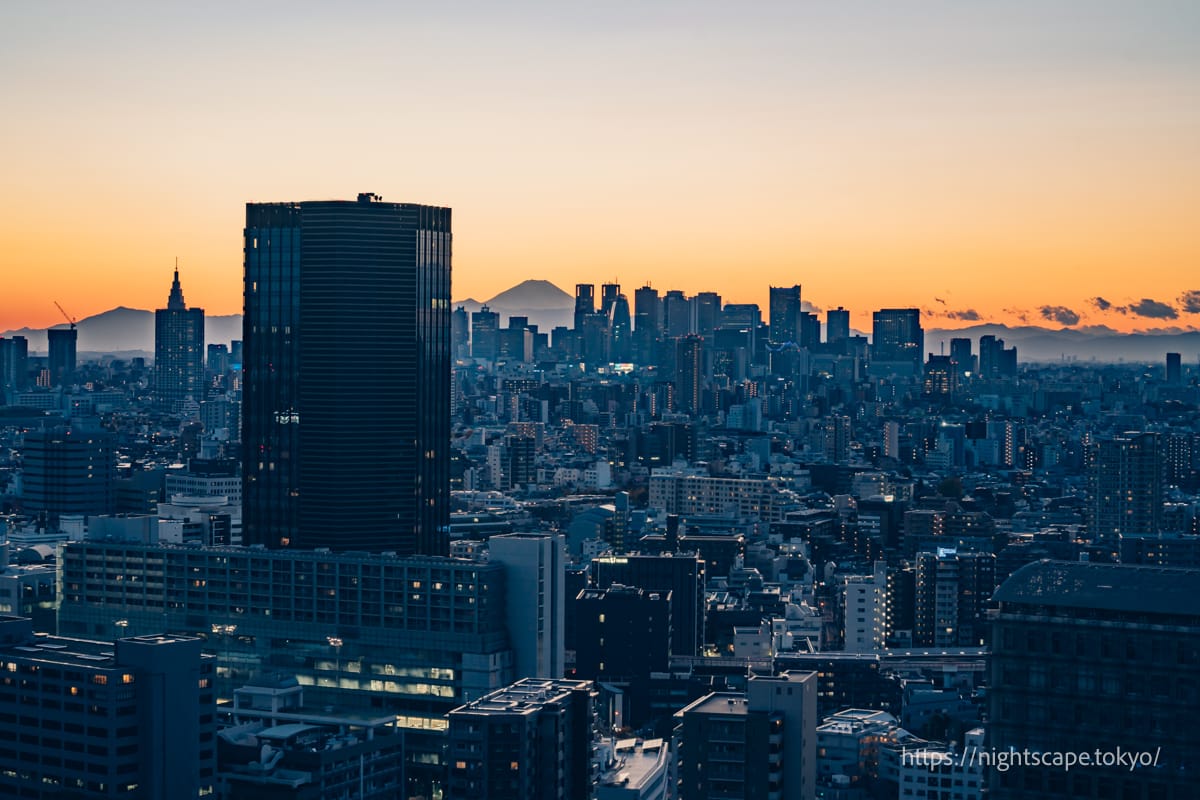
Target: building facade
[(347, 332), (178, 351), (131, 719)]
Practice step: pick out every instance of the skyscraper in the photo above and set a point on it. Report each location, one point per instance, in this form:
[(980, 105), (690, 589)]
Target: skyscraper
[(347, 332), (647, 322), (897, 336), (784, 313), (62, 344), (178, 351), (14, 364), (689, 372), (1126, 482), (1091, 658), (485, 334), (837, 325), (1174, 368), (69, 471), (585, 302)]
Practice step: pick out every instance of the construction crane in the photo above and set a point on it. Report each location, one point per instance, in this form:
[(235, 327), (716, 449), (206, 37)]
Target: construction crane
[(68, 317)]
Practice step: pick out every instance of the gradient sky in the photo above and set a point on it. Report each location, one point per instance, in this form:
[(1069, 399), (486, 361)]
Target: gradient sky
[(977, 160)]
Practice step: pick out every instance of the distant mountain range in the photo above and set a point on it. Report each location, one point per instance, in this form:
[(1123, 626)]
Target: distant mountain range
[(127, 331), (1089, 343)]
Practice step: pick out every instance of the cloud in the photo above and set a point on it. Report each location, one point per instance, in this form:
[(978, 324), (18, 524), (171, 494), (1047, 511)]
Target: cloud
[(940, 300), (1189, 301), (1153, 309), (1100, 303), (809, 307), (1060, 314), (1019, 313), (968, 314)]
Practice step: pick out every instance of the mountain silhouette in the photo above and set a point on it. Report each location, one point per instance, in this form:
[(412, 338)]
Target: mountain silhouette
[(128, 330)]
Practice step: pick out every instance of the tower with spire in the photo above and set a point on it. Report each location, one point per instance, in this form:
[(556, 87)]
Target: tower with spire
[(178, 352)]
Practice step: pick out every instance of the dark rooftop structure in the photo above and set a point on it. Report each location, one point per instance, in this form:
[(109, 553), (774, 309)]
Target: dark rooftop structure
[(1109, 587)]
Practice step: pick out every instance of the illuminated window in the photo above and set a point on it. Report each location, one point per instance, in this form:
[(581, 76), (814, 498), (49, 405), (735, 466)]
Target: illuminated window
[(460, 765), (100, 679)]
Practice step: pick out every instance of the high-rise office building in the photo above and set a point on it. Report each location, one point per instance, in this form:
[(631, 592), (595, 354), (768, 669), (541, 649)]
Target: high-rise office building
[(647, 323), (1089, 658), (762, 744), (14, 364), (585, 302), (677, 315), (178, 351), (134, 718), (996, 360), (689, 373), (69, 471), (347, 332), (681, 575), (897, 336), (784, 314), (961, 355), (530, 740), (620, 334), (837, 325), (460, 333), (706, 311), (1174, 369), (952, 593), (1126, 485), (62, 343), (485, 334)]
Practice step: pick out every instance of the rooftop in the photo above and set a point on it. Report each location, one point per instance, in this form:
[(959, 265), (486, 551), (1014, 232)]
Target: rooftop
[(1107, 587)]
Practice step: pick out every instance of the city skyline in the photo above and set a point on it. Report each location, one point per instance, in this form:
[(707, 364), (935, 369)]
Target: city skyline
[(980, 164)]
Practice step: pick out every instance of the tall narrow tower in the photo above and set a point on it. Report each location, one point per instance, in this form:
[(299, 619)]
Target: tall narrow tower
[(178, 351)]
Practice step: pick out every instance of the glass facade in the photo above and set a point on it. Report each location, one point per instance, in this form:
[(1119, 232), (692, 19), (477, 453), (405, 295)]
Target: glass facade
[(347, 376)]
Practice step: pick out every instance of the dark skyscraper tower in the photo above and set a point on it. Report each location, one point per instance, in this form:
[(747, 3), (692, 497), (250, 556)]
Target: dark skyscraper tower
[(837, 325), (1126, 483), (647, 322), (347, 375), (485, 334), (689, 372), (619, 333), (677, 312), (178, 351), (897, 336), (14, 364), (784, 313), (961, 355), (62, 343), (585, 302), (1174, 369)]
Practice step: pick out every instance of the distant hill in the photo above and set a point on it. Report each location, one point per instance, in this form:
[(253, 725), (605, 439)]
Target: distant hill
[(546, 305), (1089, 343), (127, 330)]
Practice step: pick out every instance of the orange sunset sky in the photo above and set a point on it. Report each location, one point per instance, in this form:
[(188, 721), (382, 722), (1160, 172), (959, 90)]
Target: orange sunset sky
[(1007, 162)]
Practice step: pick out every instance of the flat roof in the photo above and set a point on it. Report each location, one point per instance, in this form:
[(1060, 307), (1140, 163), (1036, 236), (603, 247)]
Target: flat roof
[(1108, 587)]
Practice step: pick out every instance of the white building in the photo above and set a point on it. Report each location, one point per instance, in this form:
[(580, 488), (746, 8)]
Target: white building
[(864, 609), (535, 602), (937, 771)]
